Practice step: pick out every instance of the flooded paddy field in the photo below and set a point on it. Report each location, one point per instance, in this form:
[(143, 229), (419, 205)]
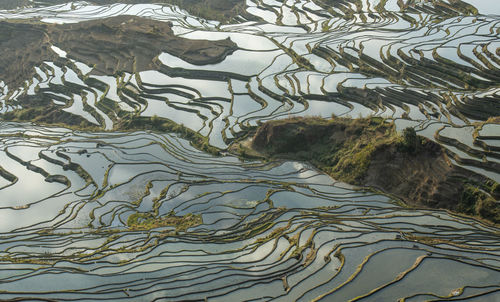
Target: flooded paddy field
[(95, 207)]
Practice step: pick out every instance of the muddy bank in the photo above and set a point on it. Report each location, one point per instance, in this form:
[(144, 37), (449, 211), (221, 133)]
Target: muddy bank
[(369, 152), (122, 43)]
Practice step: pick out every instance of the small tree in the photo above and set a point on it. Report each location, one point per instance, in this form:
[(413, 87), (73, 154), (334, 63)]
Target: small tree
[(410, 140)]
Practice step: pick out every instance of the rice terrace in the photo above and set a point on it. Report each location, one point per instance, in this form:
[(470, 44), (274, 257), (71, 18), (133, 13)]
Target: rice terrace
[(250, 150)]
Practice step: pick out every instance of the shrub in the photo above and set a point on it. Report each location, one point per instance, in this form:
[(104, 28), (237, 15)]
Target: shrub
[(495, 189), (467, 203), (474, 201), (410, 141)]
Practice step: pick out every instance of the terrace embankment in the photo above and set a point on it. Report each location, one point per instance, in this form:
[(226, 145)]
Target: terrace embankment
[(111, 46), (23, 45), (221, 10), (369, 152), (116, 44)]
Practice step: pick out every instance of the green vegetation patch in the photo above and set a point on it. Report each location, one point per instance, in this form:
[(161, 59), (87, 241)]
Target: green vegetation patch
[(147, 221), (475, 201)]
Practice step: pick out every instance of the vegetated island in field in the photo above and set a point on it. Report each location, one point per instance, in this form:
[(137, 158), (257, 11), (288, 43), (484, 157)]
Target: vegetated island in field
[(369, 152)]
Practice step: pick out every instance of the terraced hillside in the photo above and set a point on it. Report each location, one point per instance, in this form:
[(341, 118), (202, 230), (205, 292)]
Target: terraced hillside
[(116, 182)]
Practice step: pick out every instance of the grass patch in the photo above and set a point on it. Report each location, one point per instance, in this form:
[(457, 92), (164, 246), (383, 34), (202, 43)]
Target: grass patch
[(147, 221), (475, 201)]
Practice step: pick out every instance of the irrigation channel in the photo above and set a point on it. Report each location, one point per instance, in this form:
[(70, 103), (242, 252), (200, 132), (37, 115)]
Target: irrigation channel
[(143, 216)]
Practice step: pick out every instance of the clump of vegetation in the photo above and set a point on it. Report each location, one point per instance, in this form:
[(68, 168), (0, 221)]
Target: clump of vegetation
[(475, 201), (495, 189), (147, 221), (410, 143)]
